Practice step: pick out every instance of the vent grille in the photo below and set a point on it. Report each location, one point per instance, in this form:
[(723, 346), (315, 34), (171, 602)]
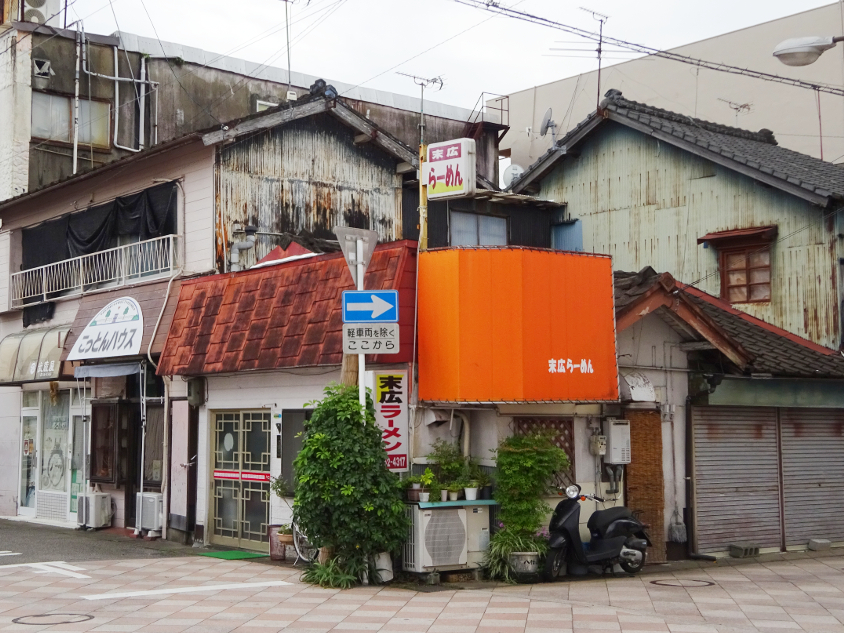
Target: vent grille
[(445, 537), (410, 543), (52, 507)]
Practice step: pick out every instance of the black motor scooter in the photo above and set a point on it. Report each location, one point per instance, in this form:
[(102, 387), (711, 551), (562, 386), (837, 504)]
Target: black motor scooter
[(617, 537)]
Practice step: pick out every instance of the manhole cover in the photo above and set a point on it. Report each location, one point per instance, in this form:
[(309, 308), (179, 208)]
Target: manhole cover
[(49, 619), (688, 583)]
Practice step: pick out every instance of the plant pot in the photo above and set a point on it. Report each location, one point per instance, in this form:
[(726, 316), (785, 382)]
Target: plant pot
[(471, 494), (424, 496), (525, 566), (278, 543), (413, 494), (452, 496), (443, 495), (415, 486), (485, 492)]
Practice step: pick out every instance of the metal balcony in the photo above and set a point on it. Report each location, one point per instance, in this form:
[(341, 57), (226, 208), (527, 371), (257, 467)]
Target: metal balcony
[(121, 266)]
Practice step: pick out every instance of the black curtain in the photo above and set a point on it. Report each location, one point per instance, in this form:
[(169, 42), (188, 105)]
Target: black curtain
[(148, 214)]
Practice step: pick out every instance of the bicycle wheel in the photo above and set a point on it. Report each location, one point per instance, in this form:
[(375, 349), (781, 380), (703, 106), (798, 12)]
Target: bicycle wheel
[(304, 550)]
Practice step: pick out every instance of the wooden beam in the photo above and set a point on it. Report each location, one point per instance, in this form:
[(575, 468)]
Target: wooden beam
[(695, 346), (360, 139), (268, 121), (404, 168), (383, 140)]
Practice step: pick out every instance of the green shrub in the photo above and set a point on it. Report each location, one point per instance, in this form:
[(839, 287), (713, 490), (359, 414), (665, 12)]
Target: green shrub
[(449, 461), (502, 544), (346, 499), (331, 574)]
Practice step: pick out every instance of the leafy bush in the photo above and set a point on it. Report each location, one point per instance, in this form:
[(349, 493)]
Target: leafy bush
[(331, 574), (346, 499), (450, 464), (525, 466)]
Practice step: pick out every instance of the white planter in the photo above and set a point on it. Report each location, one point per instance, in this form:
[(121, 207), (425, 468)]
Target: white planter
[(443, 495), (416, 486), (424, 496), (452, 496), (471, 494), (384, 567), (524, 562)]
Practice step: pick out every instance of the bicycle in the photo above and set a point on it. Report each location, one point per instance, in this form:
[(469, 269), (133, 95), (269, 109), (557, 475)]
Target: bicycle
[(305, 552)]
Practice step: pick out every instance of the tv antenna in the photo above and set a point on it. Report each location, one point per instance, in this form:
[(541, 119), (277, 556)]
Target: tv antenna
[(548, 124), (739, 108), (601, 18), (423, 83)]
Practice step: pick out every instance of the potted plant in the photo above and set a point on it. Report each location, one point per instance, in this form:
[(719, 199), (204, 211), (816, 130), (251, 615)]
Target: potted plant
[(425, 480), (413, 485), (484, 484), (470, 489), (454, 490), (280, 536), (448, 461)]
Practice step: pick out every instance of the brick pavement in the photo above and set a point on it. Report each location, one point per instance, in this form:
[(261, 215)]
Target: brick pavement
[(800, 595)]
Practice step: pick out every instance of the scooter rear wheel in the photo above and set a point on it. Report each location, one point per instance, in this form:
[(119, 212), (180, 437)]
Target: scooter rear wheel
[(633, 568), (554, 560)]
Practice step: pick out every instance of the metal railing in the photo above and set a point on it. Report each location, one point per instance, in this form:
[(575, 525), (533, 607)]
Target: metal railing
[(120, 266)]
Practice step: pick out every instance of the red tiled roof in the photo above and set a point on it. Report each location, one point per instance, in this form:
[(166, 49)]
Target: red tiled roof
[(281, 316)]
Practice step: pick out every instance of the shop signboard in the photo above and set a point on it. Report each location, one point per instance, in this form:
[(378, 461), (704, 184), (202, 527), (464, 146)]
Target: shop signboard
[(116, 330), (391, 394), (449, 170)]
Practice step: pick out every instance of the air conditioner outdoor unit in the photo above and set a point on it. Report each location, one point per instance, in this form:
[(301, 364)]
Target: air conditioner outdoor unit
[(93, 509), (437, 539), (43, 12), (152, 511)]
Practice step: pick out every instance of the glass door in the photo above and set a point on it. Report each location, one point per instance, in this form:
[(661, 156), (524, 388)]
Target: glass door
[(240, 491), (29, 464), (54, 456)]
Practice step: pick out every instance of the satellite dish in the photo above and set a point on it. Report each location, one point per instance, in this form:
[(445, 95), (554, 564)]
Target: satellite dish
[(548, 123), (512, 173)]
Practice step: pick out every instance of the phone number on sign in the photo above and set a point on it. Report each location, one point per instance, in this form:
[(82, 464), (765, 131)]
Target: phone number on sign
[(397, 461)]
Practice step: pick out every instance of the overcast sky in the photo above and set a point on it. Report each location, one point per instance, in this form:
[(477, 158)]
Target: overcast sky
[(360, 41)]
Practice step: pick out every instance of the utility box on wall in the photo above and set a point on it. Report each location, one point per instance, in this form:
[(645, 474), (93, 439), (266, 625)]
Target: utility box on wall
[(618, 441)]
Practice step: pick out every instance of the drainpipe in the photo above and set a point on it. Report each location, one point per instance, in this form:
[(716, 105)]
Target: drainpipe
[(139, 519), (79, 48), (242, 246), (467, 434), (142, 106)]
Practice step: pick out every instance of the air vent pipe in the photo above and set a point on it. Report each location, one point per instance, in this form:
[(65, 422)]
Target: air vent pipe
[(245, 245)]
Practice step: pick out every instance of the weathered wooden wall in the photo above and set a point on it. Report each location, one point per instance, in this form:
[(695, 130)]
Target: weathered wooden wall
[(646, 203)]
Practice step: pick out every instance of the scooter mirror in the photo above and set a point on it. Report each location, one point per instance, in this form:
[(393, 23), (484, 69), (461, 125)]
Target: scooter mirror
[(573, 491)]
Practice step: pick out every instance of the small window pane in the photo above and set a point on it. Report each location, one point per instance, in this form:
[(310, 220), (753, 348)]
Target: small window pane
[(761, 292), (464, 229), (492, 231), (760, 275), (50, 117), (30, 399), (738, 294), (762, 258), (93, 122), (737, 279), (736, 260)]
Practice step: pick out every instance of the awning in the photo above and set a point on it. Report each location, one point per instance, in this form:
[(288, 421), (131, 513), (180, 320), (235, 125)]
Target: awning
[(107, 371), (754, 234), (149, 299), (32, 355)]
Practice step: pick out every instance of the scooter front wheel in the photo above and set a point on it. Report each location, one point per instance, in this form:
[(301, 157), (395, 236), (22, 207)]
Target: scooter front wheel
[(554, 560), (632, 567)]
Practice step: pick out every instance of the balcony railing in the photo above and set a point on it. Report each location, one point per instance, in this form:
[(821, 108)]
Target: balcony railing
[(129, 264)]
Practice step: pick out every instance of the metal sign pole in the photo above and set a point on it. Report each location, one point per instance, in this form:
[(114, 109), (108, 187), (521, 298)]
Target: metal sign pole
[(361, 357)]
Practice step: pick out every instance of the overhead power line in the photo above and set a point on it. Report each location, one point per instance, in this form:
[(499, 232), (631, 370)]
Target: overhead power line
[(494, 7)]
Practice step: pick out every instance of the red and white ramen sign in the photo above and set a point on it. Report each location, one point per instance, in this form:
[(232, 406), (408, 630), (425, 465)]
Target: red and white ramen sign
[(391, 396)]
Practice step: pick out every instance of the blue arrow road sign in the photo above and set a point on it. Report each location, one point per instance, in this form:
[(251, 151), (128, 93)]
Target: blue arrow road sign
[(370, 306)]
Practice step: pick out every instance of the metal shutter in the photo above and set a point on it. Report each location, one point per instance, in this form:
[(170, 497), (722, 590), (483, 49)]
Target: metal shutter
[(813, 474), (737, 496)]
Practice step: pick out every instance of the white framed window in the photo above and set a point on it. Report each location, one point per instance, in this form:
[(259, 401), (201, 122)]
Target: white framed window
[(472, 229), (52, 119), (260, 106)]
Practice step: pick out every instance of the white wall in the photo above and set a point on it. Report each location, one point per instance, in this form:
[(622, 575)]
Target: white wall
[(274, 391), (10, 449), (15, 103)]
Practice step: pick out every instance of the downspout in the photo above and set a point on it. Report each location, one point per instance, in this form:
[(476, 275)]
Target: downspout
[(142, 105), (467, 433), (139, 523), (165, 474), (245, 245), (79, 49)]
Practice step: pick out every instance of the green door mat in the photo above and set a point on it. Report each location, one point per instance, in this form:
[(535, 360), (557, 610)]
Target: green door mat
[(234, 555)]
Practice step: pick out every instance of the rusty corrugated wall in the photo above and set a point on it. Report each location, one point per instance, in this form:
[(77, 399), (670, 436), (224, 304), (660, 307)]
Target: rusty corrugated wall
[(646, 203), (308, 175)]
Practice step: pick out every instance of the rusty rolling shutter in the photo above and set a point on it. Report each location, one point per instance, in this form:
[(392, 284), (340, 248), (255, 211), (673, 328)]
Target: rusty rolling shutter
[(737, 496), (813, 474)]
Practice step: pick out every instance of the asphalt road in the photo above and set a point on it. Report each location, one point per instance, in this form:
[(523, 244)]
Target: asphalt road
[(37, 543)]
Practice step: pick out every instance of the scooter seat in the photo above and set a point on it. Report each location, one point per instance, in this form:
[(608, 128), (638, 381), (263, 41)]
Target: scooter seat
[(601, 520), (604, 549)]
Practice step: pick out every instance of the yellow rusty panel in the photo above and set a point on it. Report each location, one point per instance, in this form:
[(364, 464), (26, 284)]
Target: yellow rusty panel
[(646, 203)]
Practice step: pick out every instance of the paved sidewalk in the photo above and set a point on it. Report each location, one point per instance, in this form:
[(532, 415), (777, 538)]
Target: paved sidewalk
[(801, 595)]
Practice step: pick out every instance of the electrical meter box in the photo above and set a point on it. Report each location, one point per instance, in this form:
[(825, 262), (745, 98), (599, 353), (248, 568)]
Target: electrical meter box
[(598, 445), (618, 441)]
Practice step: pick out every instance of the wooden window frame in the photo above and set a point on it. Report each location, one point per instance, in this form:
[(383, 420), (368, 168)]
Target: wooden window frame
[(506, 219), (81, 144), (747, 250)]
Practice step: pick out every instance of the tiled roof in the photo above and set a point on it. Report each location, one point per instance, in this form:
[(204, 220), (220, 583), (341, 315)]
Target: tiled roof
[(756, 151), (773, 350), (282, 316)]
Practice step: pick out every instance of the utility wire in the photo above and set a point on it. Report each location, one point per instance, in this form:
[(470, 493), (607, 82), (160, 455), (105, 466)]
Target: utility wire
[(494, 7)]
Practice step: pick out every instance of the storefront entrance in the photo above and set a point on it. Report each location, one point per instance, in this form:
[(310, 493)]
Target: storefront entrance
[(240, 488), (53, 450)]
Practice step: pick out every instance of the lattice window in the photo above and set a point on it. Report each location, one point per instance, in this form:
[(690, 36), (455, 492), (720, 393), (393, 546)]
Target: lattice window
[(562, 430)]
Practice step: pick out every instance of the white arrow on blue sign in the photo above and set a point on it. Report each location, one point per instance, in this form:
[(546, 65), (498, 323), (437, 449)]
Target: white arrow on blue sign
[(370, 306)]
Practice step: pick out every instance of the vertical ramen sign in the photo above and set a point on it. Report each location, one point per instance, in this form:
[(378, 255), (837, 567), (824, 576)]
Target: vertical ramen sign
[(116, 330), (391, 415)]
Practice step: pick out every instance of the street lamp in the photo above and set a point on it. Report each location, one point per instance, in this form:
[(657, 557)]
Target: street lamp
[(802, 51)]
